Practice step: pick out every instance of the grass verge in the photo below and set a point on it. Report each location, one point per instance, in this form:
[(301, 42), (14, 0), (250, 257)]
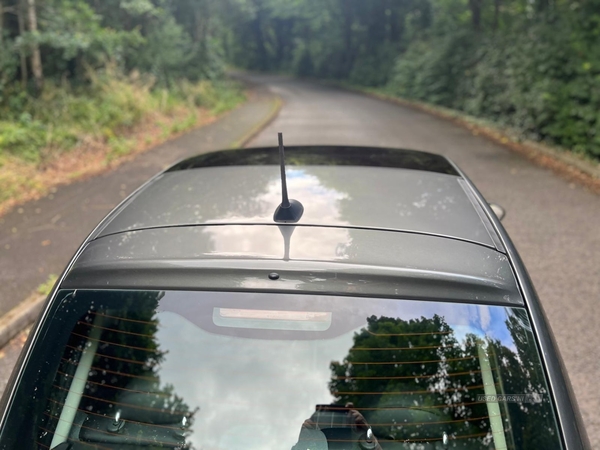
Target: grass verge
[(276, 106), (46, 287), (68, 133)]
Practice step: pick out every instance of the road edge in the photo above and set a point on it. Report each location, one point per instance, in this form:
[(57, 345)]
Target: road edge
[(275, 110), (20, 317), (567, 165), (26, 312)]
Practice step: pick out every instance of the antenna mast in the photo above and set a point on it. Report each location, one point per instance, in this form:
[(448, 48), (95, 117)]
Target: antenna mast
[(290, 211), (285, 202)]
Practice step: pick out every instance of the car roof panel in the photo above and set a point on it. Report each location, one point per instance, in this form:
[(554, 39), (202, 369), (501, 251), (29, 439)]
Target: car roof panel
[(341, 196)]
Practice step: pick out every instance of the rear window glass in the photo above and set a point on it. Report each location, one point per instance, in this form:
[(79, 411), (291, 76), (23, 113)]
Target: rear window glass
[(228, 371)]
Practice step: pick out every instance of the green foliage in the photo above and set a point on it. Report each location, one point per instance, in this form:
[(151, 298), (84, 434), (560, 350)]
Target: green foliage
[(344, 39), (62, 116), (172, 50), (435, 72), (178, 40), (119, 146), (167, 50), (542, 81), (8, 69), (25, 138), (217, 96), (46, 287), (170, 40)]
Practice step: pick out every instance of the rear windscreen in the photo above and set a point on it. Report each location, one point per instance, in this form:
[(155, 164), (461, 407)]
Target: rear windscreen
[(245, 371)]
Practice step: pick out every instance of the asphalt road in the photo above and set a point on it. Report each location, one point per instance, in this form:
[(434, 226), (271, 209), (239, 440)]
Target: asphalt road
[(554, 224)]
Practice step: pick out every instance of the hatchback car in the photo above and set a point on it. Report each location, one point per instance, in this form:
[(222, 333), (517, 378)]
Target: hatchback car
[(385, 308)]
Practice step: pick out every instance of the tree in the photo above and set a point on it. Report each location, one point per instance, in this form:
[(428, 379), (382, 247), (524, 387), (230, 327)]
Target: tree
[(412, 380), (36, 57), (7, 45), (475, 6), (21, 18), (1, 22)]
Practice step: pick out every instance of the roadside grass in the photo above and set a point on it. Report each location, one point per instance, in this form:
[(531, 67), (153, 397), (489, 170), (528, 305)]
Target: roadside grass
[(71, 131), (46, 287)]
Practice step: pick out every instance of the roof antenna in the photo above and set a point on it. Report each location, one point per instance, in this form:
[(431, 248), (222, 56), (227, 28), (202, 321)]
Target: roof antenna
[(290, 211)]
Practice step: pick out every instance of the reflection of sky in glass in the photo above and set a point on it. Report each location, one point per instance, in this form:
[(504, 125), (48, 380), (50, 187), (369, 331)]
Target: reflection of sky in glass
[(321, 243), (256, 393), (322, 201), (337, 195)]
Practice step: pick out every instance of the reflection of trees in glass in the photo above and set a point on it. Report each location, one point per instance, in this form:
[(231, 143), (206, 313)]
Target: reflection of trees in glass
[(521, 373), (413, 381), (123, 396)]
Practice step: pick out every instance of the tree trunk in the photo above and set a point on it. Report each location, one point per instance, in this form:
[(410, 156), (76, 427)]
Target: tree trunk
[(263, 57), (36, 58), (396, 24), (199, 27), (1, 22), (475, 6), (23, 54), (496, 13)]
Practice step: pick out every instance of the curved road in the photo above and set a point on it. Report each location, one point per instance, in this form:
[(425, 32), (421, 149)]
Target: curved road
[(554, 224)]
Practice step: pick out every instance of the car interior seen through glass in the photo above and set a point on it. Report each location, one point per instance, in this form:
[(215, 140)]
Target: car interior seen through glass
[(229, 371)]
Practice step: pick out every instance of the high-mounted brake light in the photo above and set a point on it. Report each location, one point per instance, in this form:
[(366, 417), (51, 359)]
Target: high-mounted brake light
[(274, 315), (263, 319)]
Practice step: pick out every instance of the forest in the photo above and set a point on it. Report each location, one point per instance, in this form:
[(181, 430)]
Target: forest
[(531, 65), (89, 81), (79, 71)]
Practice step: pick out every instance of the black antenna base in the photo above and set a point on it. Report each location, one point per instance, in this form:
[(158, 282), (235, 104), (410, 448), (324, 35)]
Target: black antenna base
[(291, 214)]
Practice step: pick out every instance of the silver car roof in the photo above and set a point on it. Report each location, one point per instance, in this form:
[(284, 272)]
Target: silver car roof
[(430, 198)]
